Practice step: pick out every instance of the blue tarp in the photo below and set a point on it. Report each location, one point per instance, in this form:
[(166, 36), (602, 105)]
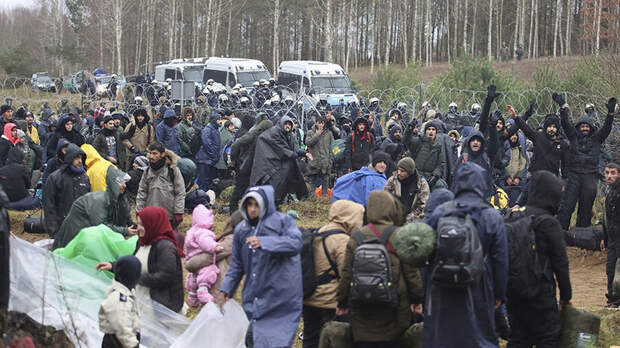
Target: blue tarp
[(357, 186)]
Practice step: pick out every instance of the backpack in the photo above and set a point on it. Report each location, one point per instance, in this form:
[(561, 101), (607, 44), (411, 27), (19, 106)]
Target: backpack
[(194, 145), (525, 271), (225, 153), (337, 149), (371, 281), (309, 277), (459, 257)]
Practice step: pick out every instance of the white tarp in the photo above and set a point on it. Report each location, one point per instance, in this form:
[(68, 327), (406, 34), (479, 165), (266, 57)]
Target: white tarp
[(63, 294)]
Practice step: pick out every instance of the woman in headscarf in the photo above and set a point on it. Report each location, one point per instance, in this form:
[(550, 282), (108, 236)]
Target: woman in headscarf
[(7, 141), (162, 271)]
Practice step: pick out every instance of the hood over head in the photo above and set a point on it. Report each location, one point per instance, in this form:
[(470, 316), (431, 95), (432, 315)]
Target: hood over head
[(471, 177), (92, 155), (587, 120), (74, 151), (62, 121), (285, 119), (142, 111), (264, 196), (545, 191), (202, 217), (360, 120), (188, 170), (262, 126), (15, 155), (7, 133), (113, 180), (438, 197), (433, 123), (382, 208), (551, 119), (170, 114), (345, 215), (394, 129), (476, 134), (127, 271)]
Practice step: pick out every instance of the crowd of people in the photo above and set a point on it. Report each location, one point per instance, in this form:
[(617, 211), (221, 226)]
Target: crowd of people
[(86, 167)]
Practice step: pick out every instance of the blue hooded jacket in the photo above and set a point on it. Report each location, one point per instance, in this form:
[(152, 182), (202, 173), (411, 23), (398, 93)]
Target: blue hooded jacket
[(209, 152), (465, 317), (169, 136), (272, 293)]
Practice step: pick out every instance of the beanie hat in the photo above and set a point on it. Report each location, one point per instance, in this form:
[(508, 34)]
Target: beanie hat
[(108, 119), (415, 243), (170, 114), (380, 156), (551, 119), (127, 271), (407, 164)]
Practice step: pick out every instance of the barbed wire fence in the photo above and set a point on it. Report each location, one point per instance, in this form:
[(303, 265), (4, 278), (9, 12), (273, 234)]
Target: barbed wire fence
[(19, 90)]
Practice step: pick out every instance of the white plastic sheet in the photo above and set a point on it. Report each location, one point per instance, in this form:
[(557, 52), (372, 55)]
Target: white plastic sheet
[(212, 329), (67, 296)]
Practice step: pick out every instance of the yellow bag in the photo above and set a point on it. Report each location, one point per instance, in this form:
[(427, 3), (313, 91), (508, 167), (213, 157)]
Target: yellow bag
[(500, 199)]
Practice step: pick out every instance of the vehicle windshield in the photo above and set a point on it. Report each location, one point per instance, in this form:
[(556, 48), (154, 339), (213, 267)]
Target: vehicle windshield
[(340, 83), (44, 79), (247, 78), (104, 79), (193, 74)]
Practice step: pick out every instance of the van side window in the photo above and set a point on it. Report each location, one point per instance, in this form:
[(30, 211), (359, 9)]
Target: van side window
[(231, 80), (306, 82)]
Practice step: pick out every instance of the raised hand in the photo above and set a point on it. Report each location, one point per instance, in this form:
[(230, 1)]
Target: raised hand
[(558, 99), (611, 105)]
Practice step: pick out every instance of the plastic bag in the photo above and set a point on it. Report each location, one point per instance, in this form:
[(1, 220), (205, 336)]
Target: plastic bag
[(66, 295), (211, 328)]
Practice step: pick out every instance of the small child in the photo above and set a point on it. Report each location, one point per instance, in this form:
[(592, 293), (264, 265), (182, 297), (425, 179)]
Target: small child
[(200, 241), (118, 315)]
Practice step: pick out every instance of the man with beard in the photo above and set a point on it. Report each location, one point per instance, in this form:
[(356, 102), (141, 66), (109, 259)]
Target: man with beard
[(410, 188), (138, 134), (275, 162), (358, 146), (611, 237), (583, 162), (428, 153), (393, 144), (167, 132), (319, 144), (108, 143)]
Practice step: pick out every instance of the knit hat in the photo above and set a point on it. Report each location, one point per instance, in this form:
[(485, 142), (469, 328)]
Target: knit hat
[(407, 164), (170, 114), (4, 108), (127, 271), (551, 119), (380, 156), (415, 243)]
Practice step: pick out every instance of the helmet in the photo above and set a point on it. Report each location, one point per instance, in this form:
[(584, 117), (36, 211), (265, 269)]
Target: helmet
[(267, 102), (475, 107), (288, 99), (323, 98), (300, 103), (271, 79), (374, 100), (256, 84), (138, 99), (223, 97), (237, 87), (453, 105), (168, 80), (401, 105), (263, 81), (589, 108), (243, 91), (425, 104), (210, 81), (113, 75), (236, 122), (154, 82), (234, 92), (275, 98), (244, 100)]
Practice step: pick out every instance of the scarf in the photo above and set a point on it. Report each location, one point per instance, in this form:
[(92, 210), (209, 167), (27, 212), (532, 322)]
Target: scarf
[(156, 227), (158, 165), (74, 170)]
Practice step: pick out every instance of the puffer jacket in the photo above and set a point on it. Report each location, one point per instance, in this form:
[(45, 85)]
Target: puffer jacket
[(169, 136), (62, 188), (187, 132), (209, 151), (429, 157), (160, 188), (320, 148), (378, 323), (108, 207), (96, 168), (347, 217)]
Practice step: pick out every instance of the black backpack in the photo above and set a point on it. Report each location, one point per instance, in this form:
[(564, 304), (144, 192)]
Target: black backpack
[(525, 271), (309, 277), (459, 257), (371, 281)]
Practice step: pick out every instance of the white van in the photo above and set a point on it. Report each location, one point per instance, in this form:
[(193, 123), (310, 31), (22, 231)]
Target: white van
[(180, 70), (317, 79), (232, 71)]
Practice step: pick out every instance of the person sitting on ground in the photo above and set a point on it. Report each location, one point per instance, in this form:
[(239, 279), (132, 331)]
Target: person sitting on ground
[(380, 325), (64, 130), (119, 318), (55, 162), (381, 163), (63, 187), (8, 141), (410, 188), (266, 249), (329, 247), (16, 182)]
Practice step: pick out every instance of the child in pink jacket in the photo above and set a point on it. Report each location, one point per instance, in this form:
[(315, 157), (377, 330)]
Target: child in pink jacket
[(199, 240)]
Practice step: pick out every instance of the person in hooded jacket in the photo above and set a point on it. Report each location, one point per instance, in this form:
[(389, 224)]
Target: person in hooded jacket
[(266, 249), (96, 168), (7, 141), (344, 217), (457, 317), (119, 317), (358, 146), (55, 162), (242, 154), (583, 162), (209, 153), (536, 321), (275, 161), (187, 131), (380, 325), (15, 182), (63, 187), (167, 132), (319, 142), (139, 133), (393, 143), (108, 143), (109, 207), (428, 153), (410, 188), (64, 130)]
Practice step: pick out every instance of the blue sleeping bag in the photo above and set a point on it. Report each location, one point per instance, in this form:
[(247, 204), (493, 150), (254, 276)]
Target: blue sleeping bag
[(356, 186)]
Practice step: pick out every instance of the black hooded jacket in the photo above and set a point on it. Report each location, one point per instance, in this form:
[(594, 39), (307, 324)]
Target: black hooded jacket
[(585, 150), (547, 152), (612, 215), (73, 137), (543, 201), (358, 146), (13, 177)]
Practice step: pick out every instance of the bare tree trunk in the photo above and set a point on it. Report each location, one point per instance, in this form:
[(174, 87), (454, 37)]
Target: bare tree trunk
[(218, 20), (522, 26), (388, 41), (558, 14), (414, 34), (276, 18), (347, 40), (489, 36), (515, 38), (536, 30), (569, 19), (101, 41), (500, 45), (465, 27), (171, 24), (181, 30), (328, 52), (455, 32), (429, 34), (599, 9), (374, 35), (448, 27), (473, 31), (230, 6), (208, 27), (404, 21), (530, 44), (119, 35), (356, 39), (139, 26)]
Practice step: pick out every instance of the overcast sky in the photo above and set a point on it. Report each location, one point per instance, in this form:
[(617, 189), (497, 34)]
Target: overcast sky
[(13, 3)]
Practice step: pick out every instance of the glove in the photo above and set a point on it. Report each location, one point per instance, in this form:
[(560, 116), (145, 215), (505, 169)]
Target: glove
[(611, 105), (492, 93), (558, 99), (178, 218), (531, 109)]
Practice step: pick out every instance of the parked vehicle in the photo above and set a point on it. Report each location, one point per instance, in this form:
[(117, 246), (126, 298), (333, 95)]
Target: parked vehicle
[(43, 82), (232, 71), (181, 69)]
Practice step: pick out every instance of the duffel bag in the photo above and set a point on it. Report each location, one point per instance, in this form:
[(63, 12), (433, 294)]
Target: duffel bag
[(34, 224), (588, 238)]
